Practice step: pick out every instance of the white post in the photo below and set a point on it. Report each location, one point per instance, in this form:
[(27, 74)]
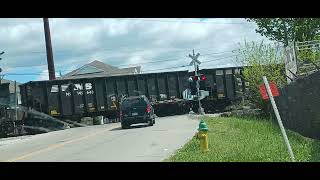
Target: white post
[(275, 109)]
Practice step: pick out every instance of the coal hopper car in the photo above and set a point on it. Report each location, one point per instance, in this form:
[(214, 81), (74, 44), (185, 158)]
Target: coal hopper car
[(100, 96)]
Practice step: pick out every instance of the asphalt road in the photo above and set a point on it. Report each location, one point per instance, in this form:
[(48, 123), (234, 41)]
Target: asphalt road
[(106, 143)]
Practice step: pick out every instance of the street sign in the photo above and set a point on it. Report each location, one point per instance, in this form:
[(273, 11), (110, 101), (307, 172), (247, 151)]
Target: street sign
[(203, 94), (187, 95), (274, 90), (275, 109), (194, 59), (197, 62)]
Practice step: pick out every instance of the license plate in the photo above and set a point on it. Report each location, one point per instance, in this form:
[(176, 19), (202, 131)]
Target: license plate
[(134, 114)]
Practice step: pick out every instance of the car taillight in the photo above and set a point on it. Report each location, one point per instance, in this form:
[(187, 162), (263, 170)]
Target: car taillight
[(148, 109)]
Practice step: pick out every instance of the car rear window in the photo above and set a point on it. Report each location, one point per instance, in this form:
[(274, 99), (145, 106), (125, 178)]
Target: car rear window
[(133, 102)]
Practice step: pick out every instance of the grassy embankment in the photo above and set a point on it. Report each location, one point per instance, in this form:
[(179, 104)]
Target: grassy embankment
[(247, 140)]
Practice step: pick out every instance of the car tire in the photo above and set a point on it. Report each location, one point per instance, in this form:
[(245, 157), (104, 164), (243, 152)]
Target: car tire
[(124, 125)]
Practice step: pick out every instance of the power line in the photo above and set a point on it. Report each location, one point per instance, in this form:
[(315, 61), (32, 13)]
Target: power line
[(150, 62), (152, 70), (146, 62), (97, 50), (218, 59), (197, 22)]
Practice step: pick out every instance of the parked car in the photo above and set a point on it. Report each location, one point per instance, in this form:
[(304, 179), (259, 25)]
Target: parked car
[(135, 110)]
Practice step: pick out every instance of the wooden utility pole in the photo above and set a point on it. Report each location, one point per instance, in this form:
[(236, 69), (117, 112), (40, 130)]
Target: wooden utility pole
[(49, 49)]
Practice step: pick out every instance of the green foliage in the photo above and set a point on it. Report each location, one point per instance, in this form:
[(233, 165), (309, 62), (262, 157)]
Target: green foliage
[(287, 29), (247, 140), (309, 55), (261, 60)]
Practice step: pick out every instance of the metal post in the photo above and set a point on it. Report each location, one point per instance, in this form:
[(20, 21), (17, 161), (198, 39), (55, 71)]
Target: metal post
[(275, 109), (15, 100), (198, 92), (49, 49), (196, 67), (15, 109)]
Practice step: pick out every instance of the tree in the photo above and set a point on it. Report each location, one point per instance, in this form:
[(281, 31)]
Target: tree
[(287, 29), (260, 59)]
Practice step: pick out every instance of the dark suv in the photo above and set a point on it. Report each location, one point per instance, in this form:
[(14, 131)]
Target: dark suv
[(136, 109)]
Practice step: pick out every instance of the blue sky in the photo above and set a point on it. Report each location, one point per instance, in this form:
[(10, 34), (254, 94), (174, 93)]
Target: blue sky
[(119, 42)]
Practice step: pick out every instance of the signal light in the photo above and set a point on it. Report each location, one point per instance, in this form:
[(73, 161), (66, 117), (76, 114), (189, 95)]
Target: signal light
[(148, 110), (203, 77), (195, 78)]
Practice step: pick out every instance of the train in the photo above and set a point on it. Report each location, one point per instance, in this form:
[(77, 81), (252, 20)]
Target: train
[(74, 99)]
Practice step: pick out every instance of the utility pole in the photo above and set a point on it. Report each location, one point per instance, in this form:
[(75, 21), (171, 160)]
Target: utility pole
[(49, 49), (196, 64)]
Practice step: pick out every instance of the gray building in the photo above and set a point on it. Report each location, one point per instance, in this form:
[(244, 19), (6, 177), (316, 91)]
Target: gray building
[(99, 69)]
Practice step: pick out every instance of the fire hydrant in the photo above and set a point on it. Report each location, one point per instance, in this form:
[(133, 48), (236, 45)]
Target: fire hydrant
[(202, 135)]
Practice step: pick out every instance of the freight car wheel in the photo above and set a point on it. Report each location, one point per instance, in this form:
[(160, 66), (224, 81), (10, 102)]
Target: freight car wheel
[(3, 135)]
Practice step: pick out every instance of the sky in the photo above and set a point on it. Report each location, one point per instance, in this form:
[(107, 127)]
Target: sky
[(157, 44)]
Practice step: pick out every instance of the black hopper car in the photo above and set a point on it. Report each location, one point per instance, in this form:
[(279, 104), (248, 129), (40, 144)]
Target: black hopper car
[(17, 120), (100, 96), (73, 99)]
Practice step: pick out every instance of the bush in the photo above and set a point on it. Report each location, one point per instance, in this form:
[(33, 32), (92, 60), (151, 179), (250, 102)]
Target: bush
[(260, 59)]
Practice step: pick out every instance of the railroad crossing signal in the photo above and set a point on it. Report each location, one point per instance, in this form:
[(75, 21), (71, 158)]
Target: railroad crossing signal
[(194, 85), (194, 59), (200, 77), (196, 64)]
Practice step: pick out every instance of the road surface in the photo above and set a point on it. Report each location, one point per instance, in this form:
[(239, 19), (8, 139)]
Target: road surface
[(106, 142)]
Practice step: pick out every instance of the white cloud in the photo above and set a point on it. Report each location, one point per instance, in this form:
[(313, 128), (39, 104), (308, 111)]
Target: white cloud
[(43, 76), (119, 41)]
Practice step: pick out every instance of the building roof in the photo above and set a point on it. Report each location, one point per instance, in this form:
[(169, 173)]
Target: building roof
[(11, 86), (98, 69)]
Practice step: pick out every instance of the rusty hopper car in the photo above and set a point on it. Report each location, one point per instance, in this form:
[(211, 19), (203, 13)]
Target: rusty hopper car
[(90, 97)]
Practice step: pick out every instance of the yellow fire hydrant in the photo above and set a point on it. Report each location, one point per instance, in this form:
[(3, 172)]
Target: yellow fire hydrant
[(202, 135)]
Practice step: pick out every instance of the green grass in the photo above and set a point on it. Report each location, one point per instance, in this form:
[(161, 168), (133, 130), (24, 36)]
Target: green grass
[(247, 140)]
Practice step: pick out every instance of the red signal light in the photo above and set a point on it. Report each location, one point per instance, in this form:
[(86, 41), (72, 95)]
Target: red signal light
[(195, 78), (148, 110), (203, 77)]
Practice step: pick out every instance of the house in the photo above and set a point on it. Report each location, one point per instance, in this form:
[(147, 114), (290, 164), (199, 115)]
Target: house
[(99, 69)]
